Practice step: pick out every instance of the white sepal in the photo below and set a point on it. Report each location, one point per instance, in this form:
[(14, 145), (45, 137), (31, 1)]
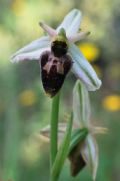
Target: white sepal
[(83, 70), (31, 49), (81, 105), (35, 55), (89, 152), (71, 22)]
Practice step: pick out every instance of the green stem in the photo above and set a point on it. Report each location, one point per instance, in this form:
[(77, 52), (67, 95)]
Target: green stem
[(54, 128)]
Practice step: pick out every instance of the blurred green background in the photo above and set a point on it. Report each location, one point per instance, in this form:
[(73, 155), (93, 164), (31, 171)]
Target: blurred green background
[(24, 108)]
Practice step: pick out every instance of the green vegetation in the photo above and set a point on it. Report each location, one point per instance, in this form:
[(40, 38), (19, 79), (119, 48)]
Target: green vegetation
[(24, 108)]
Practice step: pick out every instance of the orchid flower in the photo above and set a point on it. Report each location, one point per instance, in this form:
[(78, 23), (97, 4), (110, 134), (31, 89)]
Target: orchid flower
[(80, 67)]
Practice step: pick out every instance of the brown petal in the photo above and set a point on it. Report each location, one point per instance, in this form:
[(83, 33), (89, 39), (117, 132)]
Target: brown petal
[(76, 160)]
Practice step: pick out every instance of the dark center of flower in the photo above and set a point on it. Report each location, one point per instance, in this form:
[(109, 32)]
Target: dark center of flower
[(59, 48)]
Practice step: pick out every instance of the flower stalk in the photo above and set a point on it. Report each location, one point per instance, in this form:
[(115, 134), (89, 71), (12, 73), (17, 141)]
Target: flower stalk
[(54, 128), (62, 152)]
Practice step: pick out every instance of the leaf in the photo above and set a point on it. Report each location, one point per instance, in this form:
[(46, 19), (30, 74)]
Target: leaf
[(83, 70), (81, 105), (62, 152)]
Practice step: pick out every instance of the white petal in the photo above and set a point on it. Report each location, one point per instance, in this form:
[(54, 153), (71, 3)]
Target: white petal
[(71, 22), (51, 32), (78, 36), (35, 55), (89, 152), (81, 105), (35, 45), (83, 70)]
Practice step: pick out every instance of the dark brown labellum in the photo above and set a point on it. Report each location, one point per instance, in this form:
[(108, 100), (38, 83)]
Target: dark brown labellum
[(53, 71), (76, 160)]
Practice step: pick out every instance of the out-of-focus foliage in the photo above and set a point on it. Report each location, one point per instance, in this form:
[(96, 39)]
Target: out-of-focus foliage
[(24, 108)]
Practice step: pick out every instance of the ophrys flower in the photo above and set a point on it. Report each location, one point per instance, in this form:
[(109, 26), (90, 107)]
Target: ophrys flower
[(56, 52)]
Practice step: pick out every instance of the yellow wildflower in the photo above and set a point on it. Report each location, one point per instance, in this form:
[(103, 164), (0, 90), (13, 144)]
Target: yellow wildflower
[(112, 103), (90, 51), (27, 98)]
